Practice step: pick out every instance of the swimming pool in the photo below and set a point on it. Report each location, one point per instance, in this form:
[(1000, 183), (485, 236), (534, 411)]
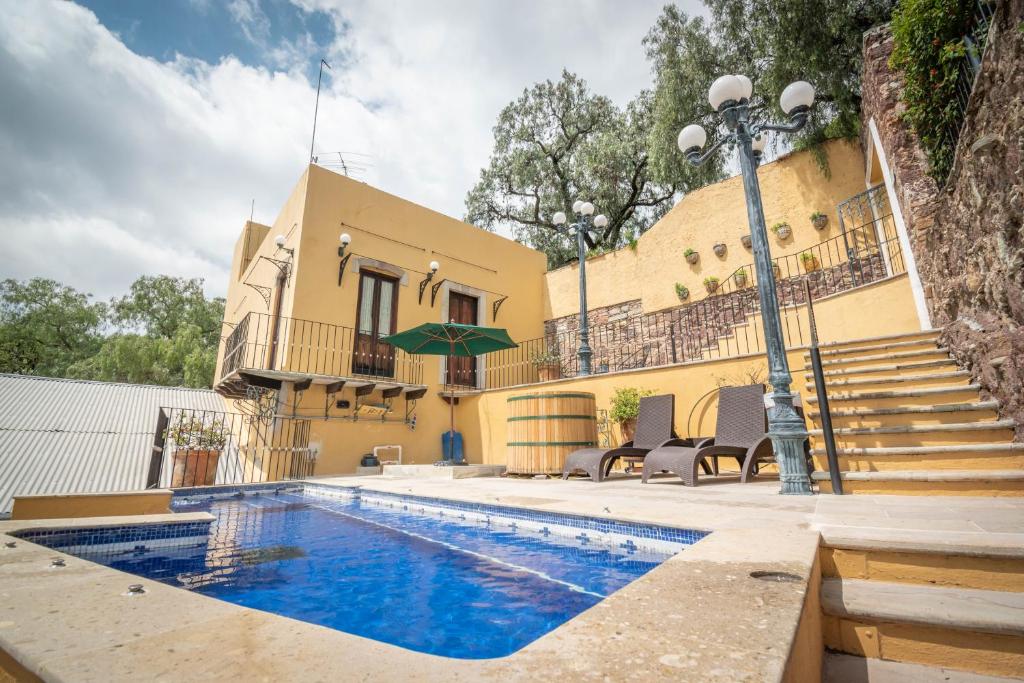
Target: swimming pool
[(454, 579)]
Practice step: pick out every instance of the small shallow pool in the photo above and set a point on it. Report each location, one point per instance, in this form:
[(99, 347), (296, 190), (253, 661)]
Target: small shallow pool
[(467, 581)]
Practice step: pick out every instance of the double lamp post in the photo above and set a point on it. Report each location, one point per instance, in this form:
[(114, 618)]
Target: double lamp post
[(730, 96)]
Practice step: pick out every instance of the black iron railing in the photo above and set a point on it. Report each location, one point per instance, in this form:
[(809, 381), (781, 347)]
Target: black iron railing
[(726, 323), (207, 447), (261, 342)]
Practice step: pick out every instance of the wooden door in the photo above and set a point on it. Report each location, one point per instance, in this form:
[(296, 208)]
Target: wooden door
[(376, 315), (462, 309)]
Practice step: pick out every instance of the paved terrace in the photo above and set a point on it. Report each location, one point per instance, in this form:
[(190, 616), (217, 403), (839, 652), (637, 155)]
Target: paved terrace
[(699, 616)]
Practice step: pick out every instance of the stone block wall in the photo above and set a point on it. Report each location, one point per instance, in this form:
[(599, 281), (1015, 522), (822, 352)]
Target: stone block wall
[(967, 236)]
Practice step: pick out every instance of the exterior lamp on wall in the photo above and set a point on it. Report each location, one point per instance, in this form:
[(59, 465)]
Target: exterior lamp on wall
[(434, 265), (730, 97), (580, 229), (346, 239), (280, 241)]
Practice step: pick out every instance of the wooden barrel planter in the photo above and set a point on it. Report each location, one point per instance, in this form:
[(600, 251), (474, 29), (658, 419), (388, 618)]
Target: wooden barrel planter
[(545, 427)]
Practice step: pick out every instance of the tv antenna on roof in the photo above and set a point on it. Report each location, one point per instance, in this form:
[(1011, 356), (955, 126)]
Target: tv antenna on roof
[(316, 109)]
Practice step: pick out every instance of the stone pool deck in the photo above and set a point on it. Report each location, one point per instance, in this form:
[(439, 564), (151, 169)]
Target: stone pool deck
[(698, 617)]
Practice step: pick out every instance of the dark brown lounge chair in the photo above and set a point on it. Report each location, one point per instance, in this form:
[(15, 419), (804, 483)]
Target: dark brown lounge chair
[(740, 432), (653, 430)]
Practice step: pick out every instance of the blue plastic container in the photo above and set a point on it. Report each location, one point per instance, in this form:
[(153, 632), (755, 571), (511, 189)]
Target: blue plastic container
[(450, 454)]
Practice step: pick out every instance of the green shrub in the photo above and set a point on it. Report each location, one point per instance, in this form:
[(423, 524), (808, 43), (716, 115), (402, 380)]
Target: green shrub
[(626, 403), (928, 47)]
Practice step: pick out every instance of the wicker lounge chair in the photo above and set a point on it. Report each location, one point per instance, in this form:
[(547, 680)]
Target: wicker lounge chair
[(740, 432), (653, 430)]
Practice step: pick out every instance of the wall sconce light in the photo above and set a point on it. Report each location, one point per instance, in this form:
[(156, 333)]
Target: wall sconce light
[(280, 242), (346, 239), (434, 265)]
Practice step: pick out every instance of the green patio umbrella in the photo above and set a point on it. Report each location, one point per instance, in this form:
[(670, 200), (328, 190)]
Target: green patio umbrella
[(451, 339)]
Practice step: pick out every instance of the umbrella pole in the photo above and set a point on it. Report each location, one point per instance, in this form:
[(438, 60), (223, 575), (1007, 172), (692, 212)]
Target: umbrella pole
[(451, 405)]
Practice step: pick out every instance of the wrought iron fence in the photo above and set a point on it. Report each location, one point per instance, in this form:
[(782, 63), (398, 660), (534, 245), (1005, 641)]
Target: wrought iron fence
[(968, 67), (726, 323), (262, 341), (206, 447)]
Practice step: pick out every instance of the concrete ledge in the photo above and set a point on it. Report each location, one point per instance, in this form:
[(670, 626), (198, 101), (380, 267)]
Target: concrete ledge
[(969, 543), (853, 669), (927, 475), (73, 505), (962, 609), (443, 472)]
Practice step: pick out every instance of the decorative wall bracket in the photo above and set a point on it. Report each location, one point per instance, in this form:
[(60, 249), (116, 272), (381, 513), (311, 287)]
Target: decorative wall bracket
[(495, 306), (423, 287), (265, 292), (434, 290), (330, 392), (344, 262)]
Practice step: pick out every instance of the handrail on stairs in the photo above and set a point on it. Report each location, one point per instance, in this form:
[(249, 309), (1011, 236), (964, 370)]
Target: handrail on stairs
[(822, 391)]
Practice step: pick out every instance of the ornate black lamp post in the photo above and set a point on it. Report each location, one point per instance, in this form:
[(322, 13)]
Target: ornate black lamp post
[(730, 97), (583, 211)]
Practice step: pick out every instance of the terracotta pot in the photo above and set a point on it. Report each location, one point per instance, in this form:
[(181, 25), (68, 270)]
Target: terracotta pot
[(712, 287), (549, 371), (740, 280), (628, 429), (745, 241), (693, 258), (719, 250), (820, 222), (811, 264), (194, 467)]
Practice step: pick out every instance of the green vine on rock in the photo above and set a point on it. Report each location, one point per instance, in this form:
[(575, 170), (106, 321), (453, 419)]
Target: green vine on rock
[(928, 48)]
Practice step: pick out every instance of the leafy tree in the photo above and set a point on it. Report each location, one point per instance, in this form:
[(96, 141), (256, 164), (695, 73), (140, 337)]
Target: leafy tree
[(165, 331), (559, 142), (774, 42), (45, 327)]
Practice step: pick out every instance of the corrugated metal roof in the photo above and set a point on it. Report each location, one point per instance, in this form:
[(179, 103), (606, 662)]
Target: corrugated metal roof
[(77, 436)]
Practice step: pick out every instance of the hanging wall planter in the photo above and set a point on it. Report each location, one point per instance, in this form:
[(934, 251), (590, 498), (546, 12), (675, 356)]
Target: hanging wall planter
[(740, 278), (711, 284), (719, 249), (819, 220), (745, 241), (682, 291), (782, 230), (691, 257), (810, 262)]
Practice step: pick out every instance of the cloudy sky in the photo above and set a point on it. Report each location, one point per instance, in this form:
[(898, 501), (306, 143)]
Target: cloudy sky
[(135, 135)]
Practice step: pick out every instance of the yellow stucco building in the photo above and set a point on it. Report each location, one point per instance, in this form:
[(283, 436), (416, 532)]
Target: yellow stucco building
[(345, 264)]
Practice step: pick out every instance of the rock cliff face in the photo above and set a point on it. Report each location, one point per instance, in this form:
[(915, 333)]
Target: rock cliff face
[(967, 236)]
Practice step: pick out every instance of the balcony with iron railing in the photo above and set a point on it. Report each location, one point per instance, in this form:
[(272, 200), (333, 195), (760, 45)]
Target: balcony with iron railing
[(280, 348), (725, 323)]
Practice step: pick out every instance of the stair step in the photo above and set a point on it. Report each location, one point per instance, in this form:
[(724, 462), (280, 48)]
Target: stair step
[(830, 353), (896, 393), (927, 476), (899, 379), (841, 668), (912, 410), (899, 355), (921, 429), (926, 450), (981, 544), (960, 609), (906, 336), (893, 367)]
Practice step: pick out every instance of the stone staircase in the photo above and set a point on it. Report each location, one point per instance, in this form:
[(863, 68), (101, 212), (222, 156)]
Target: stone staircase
[(908, 421), (922, 589)]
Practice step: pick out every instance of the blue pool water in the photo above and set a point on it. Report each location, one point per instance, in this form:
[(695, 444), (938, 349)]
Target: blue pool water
[(428, 582)]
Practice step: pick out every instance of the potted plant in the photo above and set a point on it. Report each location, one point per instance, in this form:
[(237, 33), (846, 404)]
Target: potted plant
[(745, 241), (719, 249), (740, 278), (625, 408), (682, 291), (711, 284), (819, 220), (691, 256), (198, 444), (810, 262), (782, 230), (548, 364)]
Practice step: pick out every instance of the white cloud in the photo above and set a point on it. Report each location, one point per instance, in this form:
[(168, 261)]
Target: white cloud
[(117, 165)]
